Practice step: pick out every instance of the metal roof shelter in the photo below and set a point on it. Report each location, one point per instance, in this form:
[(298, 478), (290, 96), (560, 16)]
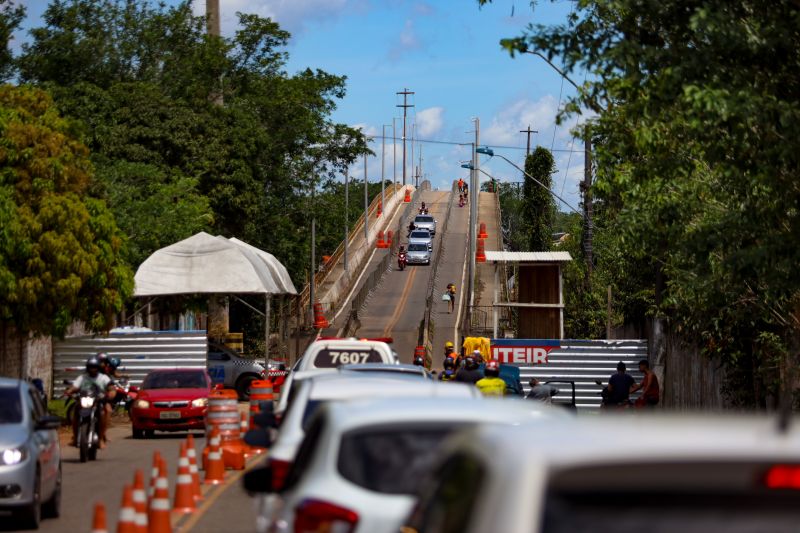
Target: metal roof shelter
[(205, 264), (540, 292)]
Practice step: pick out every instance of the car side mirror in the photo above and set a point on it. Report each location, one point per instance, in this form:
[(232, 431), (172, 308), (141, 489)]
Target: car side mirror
[(258, 481), (48, 422)]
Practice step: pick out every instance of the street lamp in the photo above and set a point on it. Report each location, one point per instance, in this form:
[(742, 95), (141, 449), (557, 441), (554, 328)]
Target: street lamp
[(485, 150)]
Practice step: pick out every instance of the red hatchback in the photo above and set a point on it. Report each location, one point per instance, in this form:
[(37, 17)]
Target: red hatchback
[(171, 400)]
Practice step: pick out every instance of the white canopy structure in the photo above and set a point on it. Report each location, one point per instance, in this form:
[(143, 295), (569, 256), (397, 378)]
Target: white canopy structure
[(207, 264)]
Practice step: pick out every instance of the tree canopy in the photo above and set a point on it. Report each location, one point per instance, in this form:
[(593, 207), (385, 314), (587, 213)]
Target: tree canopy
[(697, 160), (537, 204)]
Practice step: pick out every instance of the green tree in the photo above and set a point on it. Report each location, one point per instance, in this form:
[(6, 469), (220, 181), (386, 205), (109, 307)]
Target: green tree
[(538, 206), (60, 249), (11, 16), (696, 158)]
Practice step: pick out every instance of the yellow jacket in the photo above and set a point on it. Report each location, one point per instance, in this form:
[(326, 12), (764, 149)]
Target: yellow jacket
[(491, 386)]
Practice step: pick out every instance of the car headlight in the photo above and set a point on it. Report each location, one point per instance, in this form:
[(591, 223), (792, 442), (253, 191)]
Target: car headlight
[(141, 404), (12, 456), (200, 402)]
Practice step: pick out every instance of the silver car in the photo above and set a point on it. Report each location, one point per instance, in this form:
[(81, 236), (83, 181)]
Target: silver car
[(30, 455), (421, 236), (229, 368), (425, 222), (418, 254)]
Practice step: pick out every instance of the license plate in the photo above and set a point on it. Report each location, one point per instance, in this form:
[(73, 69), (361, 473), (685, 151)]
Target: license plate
[(169, 414)]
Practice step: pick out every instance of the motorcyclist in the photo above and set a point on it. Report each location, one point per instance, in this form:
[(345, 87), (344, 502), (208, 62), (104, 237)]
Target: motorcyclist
[(411, 227), (423, 209), (470, 373), (93, 378), (449, 372), (449, 350), (401, 257), (492, 384)]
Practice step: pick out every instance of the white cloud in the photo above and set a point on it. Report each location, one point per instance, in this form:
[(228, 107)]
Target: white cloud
[(430, 121), (292, 15), (505, 126), (366, 129), (407, 41)]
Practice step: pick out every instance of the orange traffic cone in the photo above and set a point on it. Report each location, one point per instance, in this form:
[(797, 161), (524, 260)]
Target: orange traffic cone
[(99, 519), (407, 198), (139, 497), (480, 253), (380, 242), (215, 468), (191, 453), (153, 474), (320, 322), (127, 513), (158, 518), (184, 491), (379, 212), (482, 232)]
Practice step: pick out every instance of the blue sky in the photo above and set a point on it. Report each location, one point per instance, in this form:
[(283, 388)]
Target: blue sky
[(448, 52)]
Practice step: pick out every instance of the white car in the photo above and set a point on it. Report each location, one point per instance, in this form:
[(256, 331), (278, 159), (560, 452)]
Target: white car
[(389, 370), (716, 473), (421, 236), (418, 254), (425, 222), (362, 461), (330, 354)]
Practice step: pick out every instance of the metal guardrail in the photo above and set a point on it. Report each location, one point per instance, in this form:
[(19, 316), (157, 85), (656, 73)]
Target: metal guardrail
[(140, 353), (374, 278), (584, 361), (427, 325), (482, 324)]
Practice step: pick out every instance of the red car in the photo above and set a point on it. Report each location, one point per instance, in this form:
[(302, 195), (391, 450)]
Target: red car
[(171, 400)]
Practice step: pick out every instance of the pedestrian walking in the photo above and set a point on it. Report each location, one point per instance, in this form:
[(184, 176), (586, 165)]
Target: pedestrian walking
[(460, 185), (648, 386), (451, 290)]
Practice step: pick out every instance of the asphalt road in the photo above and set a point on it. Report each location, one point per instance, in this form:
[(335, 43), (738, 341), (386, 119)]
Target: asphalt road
[(228, 508), (397, 306)]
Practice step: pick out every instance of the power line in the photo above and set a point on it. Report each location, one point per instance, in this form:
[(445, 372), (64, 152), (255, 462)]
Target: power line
[(453, 143)]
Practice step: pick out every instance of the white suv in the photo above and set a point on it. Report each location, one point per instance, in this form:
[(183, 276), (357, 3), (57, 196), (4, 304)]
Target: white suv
[(621, 474), (361, 461)]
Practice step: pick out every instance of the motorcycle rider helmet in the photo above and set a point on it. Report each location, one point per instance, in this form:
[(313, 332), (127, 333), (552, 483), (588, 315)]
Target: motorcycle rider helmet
[(402, 248), (449, 344), (93, 362), (419, 361), (449, 364), (470, 363), (492, 369), (102, 357), (114, 362)]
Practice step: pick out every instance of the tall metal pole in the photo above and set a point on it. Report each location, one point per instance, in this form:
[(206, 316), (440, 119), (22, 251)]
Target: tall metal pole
[(366, 201), (394, 152), (267, 306), (586, 188), (405, 107), (473, 209), (413, 161), (383, 164), (346, 214)]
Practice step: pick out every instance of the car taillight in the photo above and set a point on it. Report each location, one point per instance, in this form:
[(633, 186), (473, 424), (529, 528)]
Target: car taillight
[(315, 516), (280, 469), (783, 477)]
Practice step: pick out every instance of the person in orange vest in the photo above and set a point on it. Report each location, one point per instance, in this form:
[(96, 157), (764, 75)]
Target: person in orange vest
[(461, 185)]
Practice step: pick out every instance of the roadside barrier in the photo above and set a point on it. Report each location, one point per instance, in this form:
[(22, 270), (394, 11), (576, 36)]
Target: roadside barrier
[(139, 498), (482, 232), (99, 519), (320, 322), (127, 513), (381, 243), (480, 253), (214, 467), (184, 491), (191, 454), (223, 414), (158, 515)]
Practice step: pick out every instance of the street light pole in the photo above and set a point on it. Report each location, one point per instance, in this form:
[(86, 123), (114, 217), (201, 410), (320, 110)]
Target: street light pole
[(346, 213), (394, 153), (405, 105), (366, 201), (473, 213), (383, 164)]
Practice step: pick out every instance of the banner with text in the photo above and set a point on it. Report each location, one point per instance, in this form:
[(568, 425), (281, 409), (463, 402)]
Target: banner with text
[(523, 351)]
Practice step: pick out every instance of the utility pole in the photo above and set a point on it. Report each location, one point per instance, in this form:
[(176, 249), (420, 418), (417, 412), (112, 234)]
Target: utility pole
[(212, 18), (473, 216), (383, 163), (528, 131), (586, 189), (414, 176), (405, 105), (366, 201), (419, 168), (346, 213)]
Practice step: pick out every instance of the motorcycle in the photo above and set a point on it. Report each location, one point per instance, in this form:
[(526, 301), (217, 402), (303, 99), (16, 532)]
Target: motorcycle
[(89, 410), (401, 260)]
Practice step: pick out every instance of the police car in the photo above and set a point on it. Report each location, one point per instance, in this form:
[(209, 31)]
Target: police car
[(229, 369)]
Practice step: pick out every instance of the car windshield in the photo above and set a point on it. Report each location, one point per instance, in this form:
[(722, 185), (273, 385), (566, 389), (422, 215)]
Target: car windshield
[(175, 380), (418, 247), (420, 235), (10, 405), (391, 460), (423, 219), (686, 512)]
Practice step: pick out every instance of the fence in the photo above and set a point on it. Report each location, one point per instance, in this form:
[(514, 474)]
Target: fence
[(481, 320), (581, 361), (139, 352)]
